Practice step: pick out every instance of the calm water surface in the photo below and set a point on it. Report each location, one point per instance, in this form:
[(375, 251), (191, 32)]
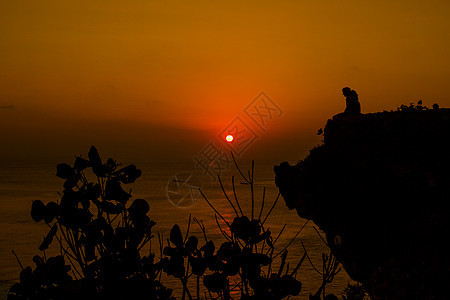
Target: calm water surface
[(20, 184)]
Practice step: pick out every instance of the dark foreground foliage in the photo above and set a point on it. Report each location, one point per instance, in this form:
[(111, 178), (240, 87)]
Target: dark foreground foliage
[(101, 232)]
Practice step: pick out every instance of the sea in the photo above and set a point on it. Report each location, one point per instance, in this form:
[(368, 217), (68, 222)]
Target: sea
[(172, 190)]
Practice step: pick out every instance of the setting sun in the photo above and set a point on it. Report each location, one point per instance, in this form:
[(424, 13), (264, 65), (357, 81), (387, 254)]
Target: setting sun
[(229, 138)]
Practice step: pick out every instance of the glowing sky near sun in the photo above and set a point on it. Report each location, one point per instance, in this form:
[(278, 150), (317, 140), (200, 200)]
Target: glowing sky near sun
[(143, 77)]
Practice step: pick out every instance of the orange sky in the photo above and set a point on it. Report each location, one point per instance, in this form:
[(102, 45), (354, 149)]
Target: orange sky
[(146, 80)]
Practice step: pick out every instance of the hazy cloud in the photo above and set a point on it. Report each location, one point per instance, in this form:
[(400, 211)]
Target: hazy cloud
[(7, 107)]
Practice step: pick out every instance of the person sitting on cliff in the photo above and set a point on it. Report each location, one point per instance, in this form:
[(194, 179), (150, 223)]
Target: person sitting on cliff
[(353, 107)]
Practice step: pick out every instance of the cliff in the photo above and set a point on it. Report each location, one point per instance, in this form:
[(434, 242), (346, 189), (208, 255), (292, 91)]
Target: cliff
[(379, 187)]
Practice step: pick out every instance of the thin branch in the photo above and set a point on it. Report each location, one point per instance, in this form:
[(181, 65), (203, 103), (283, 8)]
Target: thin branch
[(239, 170), (299, 264), (262, 203), (235, 195), (290, 242), (160, 239), (287, 268), (215, 210), (221, 230), (187, 231), (318, 233), (202, 227), (69, 256), (307, 256), (279, 234), (18, 260), (271, 209), (283, 261), (226, 196)]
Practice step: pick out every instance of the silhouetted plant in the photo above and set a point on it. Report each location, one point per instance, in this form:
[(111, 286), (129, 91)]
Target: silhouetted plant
[(98, 232), (244, 262), (414, 107), (242, 265), (43, 282), (330, 269), (101, 235)]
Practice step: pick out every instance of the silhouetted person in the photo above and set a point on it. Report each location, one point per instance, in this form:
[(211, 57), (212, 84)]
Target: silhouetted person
[(353, 106)]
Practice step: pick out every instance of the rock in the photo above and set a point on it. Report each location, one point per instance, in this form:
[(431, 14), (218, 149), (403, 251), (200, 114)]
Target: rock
[(379, 187)]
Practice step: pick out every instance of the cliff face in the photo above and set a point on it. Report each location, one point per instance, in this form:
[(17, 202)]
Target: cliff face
[(379, 187)]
